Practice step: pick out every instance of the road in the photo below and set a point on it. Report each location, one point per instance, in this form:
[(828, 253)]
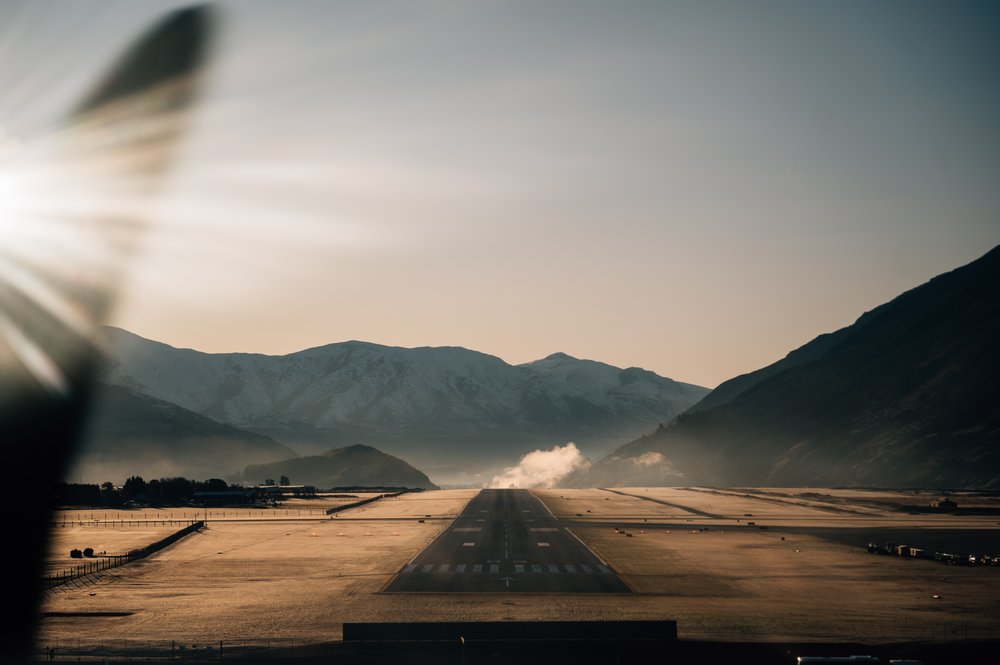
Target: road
[(507, 541)]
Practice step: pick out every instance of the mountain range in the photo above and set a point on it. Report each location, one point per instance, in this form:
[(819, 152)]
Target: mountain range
[(448, 410), (904, 397)]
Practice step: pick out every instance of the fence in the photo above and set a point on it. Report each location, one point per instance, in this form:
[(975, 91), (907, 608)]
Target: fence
[(115, 560), (337, 509), (192, 650), (120, 523)]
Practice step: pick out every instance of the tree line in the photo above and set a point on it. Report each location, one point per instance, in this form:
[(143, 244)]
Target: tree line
[(136, 489)]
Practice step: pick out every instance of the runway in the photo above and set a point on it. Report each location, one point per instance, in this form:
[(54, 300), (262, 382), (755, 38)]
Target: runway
[(507, 541)]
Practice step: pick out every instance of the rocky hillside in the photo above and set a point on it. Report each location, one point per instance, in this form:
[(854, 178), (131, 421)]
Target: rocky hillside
[(906, 396)]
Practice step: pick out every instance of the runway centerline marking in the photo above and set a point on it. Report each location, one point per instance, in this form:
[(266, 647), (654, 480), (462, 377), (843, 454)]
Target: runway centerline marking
[(508, 554)]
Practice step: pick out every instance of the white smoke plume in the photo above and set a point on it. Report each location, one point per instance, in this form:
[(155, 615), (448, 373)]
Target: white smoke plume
[(542, 468), (648, 459)]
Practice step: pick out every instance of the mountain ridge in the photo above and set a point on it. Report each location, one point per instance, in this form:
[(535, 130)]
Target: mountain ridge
[(902, 397), (441, 407)]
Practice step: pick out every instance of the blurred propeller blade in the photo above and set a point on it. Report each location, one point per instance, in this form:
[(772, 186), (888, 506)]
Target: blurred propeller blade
[(74, 220)]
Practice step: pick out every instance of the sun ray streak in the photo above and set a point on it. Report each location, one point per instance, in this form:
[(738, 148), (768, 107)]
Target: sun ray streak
[(43, 368)]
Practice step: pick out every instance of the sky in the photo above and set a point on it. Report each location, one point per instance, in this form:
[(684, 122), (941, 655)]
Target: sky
[(695, 188)]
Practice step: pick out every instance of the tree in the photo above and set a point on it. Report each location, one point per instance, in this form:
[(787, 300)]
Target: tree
[(76, 494), (216, 485), (133, 487), (109, 494), (269, 481), (175, 490), (284, 481)]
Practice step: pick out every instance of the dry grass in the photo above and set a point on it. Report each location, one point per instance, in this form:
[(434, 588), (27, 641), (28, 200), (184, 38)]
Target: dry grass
[(303, 580), (293, 507)]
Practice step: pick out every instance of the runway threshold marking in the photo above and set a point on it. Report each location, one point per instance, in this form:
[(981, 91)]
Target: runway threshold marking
[(507, 555)]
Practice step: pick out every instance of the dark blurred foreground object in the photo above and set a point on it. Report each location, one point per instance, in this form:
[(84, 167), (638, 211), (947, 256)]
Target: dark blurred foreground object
[(104, 164)]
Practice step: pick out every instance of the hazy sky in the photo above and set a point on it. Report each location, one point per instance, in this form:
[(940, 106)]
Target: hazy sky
[(691, 187)]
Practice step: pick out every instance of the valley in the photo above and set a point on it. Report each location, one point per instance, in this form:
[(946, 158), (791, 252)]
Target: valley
[(800, 573)]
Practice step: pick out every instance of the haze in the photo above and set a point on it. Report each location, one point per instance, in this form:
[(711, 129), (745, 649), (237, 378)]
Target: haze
[(690, 188)]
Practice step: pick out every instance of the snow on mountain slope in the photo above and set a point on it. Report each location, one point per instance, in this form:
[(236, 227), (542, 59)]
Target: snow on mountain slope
[(424, 394)]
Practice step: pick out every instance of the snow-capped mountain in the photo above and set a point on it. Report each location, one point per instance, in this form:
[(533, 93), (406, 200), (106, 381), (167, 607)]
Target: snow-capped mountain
[(431, 403)]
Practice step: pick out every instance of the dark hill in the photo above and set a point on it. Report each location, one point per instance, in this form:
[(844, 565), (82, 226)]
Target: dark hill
[(906, 396), (134, 434), (341, 467)]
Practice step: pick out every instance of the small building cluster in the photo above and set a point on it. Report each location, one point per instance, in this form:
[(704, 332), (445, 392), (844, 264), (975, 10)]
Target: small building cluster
[(258, 495), (285, 491), (944, 504), (231, 497), (910, 552)]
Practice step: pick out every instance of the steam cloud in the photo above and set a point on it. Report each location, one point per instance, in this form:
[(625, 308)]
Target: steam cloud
[(648, 459), (542, 468)]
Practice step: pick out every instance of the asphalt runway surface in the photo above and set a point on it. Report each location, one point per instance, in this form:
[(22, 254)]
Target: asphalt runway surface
[(507, 541)]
